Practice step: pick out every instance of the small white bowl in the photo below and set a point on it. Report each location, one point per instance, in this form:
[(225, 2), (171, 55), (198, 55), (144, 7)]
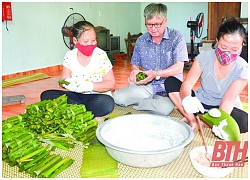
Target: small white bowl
[(213, 172)]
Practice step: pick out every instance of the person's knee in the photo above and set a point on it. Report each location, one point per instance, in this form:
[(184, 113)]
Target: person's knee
[(167, 108), (243, 125), (165, 105), (50, 94), (172, 84), (102, 105), (122, 98), (109, 103), (45, 95), (118, 98), (241, 117), (169, 80)]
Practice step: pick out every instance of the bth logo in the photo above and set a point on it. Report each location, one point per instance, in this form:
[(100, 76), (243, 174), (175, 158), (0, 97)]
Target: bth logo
[(229, 154)]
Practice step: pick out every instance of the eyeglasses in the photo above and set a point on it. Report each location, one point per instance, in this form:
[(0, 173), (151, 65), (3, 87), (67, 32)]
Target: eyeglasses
[(156, 25)]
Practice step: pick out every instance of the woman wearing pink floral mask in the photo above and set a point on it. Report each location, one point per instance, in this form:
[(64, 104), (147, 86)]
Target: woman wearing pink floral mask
[(89, 72), (223, 76)]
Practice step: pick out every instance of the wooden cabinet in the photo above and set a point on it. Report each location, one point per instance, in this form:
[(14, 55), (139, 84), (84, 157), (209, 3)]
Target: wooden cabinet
[(218, 11)]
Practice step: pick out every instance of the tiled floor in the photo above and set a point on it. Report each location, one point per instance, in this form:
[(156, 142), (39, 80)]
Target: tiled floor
[(32, 90)]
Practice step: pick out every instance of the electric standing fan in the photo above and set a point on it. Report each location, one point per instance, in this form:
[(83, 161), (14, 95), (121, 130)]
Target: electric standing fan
[(196, 29), (67, 27)]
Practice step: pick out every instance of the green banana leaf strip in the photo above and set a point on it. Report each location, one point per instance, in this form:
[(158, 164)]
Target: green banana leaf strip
[(98, 163), (63, 82)]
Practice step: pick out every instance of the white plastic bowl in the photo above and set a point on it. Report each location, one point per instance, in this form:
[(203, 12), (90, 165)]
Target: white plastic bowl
[(144, 140), (213, 172)]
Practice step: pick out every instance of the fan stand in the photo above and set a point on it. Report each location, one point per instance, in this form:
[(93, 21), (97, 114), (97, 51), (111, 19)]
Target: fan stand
[(192, 32), (196, 28), (192, 36)]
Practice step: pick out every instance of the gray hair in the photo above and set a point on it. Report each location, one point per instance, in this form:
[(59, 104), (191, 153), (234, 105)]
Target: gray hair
[(154, 9)]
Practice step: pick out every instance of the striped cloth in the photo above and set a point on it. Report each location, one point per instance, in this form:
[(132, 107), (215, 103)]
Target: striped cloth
[(24, 79)]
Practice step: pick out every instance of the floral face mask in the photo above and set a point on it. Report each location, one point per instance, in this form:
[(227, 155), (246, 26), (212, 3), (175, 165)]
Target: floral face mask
[(225, 57)]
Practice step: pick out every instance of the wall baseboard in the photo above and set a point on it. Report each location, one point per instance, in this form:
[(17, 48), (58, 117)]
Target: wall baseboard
[(51, 71)]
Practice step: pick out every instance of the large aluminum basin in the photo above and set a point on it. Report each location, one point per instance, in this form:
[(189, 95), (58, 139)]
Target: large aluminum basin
[(144, 140)]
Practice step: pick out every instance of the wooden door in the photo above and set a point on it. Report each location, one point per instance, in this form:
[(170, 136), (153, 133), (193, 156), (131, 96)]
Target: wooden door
[(216, 12)]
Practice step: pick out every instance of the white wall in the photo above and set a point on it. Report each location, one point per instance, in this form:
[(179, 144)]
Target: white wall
[(181, 12), (34, 39), (244, 10)]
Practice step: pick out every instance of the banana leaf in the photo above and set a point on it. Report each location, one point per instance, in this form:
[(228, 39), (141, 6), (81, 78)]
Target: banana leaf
[(97, 163)]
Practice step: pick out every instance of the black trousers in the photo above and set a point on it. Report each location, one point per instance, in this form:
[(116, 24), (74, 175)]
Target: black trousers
[(99, 104), (172, 84)]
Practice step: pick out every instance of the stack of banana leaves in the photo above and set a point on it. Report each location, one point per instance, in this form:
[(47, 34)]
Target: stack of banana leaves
[(29, 138)]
